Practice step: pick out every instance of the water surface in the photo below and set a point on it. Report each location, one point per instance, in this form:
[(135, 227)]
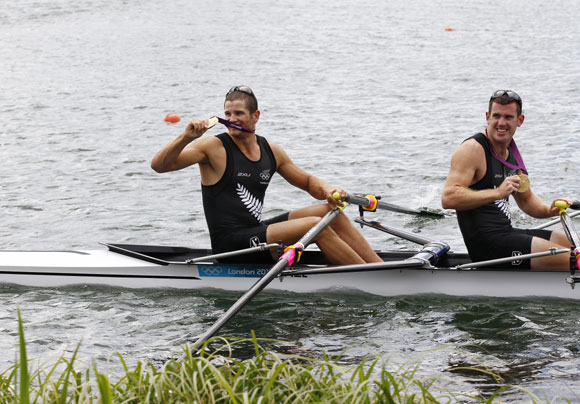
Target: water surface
[(372, 96)]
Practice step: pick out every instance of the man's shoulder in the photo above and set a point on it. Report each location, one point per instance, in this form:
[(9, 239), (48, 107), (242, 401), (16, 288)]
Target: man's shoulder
[(478, 137), (470, 150), (471, 143), (211, 141), (276, 148), (211, 146)]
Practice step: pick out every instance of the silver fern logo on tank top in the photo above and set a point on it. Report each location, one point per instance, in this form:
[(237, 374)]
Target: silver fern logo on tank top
[(253, 204), (504, 206)]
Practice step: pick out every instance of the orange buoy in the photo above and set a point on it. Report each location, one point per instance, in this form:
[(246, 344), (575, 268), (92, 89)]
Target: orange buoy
[(449, 29), (172, 118)]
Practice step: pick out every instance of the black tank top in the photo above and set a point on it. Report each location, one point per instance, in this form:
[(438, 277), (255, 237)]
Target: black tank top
[(492, 216), (236, 200)]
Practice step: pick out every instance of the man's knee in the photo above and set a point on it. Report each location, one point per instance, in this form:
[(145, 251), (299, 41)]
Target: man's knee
[(540, 245), (315, 210), (311, 221), (560, 238), (327, 233)]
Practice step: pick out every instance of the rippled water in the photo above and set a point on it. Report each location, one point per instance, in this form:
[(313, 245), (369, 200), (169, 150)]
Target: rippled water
[(372, 96)]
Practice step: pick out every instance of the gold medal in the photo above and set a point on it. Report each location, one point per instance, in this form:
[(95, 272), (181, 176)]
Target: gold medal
[(211, 122), (525, 182)]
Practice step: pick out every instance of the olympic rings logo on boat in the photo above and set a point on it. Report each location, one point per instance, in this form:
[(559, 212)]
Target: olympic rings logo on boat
[(212, 271)]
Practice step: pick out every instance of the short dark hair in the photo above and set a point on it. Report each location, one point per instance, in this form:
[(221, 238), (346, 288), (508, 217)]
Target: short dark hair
[(245, 94), (505, 97)]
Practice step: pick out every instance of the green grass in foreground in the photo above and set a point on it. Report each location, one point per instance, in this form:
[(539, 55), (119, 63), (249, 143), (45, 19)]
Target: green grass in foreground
[(213, 378)]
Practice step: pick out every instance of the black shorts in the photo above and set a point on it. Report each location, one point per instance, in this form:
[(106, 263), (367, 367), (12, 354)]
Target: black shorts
[(245, 238), (503, 244)]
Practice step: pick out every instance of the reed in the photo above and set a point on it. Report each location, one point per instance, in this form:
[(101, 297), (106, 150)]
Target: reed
[(218, 377)]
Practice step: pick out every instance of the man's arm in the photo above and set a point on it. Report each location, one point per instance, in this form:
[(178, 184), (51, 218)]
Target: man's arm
[(296, 176), (468, 165), (534, 206), (175, 156)]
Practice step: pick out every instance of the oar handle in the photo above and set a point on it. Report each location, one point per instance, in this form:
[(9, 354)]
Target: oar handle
[(563, 205)]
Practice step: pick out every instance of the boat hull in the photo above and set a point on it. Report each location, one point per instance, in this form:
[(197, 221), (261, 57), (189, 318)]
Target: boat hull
[(105, 267)]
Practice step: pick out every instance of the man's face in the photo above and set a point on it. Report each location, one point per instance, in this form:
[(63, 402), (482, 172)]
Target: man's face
[(237, 112), (502, 122)]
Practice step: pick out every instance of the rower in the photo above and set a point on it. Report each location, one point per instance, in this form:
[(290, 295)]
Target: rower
[(236, 168), (485, 170)]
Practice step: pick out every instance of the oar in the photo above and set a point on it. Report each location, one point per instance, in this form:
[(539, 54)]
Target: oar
[(569, 229), (258, 248), (425, 258), (415, 238), (372, 203), (118, 248), (291, 255), (477, 264), (555, 221)]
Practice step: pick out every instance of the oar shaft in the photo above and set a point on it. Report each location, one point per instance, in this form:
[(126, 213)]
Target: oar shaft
[(258, 248), (266, 279), (570, 230), (415, 238), (554, 221), (478, 264), (242, 301), (372, 266), (401, 209), (572, 236), (367, 202), (371, 203), (424, 258)]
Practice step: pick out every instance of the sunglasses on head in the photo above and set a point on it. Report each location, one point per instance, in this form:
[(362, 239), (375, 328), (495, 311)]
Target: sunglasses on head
[(512, 95), (243, 89)]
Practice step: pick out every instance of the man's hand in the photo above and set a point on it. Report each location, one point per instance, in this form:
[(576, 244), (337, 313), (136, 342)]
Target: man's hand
[(332, 201), (509, 186), (177, 155), (196, 128), (554, 210)]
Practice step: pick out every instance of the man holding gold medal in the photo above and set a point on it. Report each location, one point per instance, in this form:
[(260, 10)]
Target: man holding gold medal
[(236, 168), (485, 170)]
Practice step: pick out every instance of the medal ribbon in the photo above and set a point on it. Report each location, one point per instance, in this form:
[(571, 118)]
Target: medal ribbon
[(516, 153)]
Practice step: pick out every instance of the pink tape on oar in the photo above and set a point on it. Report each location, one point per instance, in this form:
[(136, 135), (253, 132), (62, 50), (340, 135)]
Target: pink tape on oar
[(577, 253), (293, 252)]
